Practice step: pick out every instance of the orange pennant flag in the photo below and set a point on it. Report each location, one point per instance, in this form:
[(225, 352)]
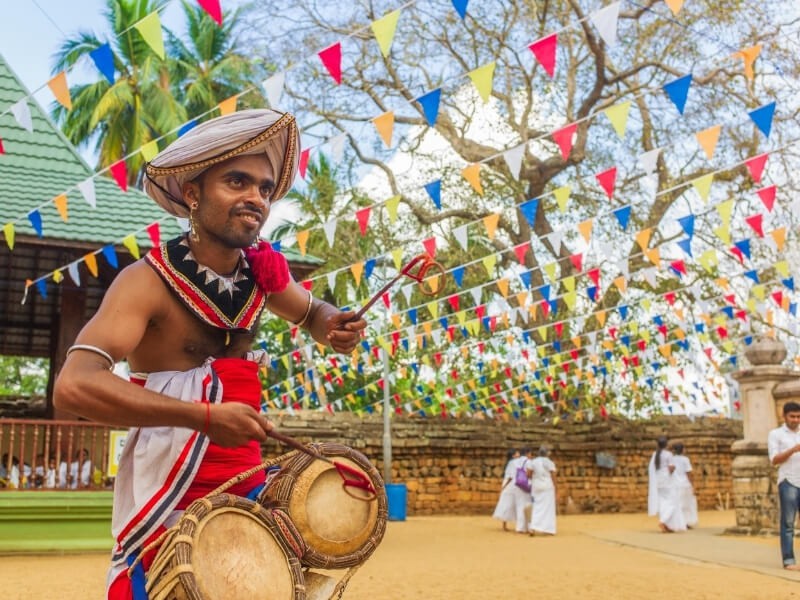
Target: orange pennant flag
[(779, 235), (490, 222), (472, 173), (749, 56), (228, 106), (708, 140), (61, 204), (674, 5), (585, 228), (58, 85), (385, 125), (302, 240), (91, 263), (643, 238)]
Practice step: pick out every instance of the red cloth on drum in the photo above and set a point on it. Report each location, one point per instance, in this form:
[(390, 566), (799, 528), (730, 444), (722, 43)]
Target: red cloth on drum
[(240, 383), (121, 588)]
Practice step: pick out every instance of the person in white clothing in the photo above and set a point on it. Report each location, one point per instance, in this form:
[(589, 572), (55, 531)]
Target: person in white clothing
[(661, 499), (783, 445), (683, 483), (504, 511), (521, 491), (542, 472)]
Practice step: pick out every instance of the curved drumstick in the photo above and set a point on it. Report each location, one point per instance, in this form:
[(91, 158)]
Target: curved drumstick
[(350, 477)]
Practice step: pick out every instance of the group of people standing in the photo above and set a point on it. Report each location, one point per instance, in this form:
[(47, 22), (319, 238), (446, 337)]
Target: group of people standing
[(529, 486), (671, 493)]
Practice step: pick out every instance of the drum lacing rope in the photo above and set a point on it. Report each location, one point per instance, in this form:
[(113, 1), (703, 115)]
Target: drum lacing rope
[(231, 482), (339, 589)]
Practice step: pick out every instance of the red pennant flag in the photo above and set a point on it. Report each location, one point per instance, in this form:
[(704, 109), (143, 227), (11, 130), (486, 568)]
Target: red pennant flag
[(607, 179), (594, 275), (545, 52), (480, 311), (307, 283), (154, 231), (574, 354), (331, 57), (545, 306), (603, 412), (437, 358), (612, 331), (738, 253), (430, 246), (755, 223), (756, 166), (767, 196), (741, 315), (666, 394), (708, 352), (303, 163), (120, 173), (778, 297), (213, 9), (521, 250), (662, 329), (481, 347), (679, 266), (2, 150), (559, 327), (642, 345), (565, 367), (362, 216), (453, 300), (730, 299), (386, 301), (563, 137), (670, 298), (577, 261)]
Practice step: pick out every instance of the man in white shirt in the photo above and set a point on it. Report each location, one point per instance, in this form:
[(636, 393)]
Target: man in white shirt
[(783, 445)]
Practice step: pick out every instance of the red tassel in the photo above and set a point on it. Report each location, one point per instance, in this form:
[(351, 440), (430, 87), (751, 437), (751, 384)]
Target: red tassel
[(270, 269)]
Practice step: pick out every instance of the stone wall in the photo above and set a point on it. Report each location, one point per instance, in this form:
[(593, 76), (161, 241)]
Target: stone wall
[(456, 466)]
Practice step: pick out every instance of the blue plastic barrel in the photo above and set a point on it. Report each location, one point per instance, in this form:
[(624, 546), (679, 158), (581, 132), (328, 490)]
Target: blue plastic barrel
[(396, 497)]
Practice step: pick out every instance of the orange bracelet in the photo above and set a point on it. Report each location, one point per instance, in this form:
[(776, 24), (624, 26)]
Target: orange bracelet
[(208, 418)]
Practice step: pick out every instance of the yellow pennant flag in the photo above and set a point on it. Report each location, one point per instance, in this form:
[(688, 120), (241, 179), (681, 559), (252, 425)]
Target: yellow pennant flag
[(397, 257), (385, 125), (723, 232), (779, 235), (502, 285), (674, 5), (8, 233), (490, 222), (725, 210), (129, 241), (570, 298), (302, 240), (357, 269), (482, 80), (653, 255), (228, 105), (149, 150), (703, 186), (618, 115), (472, 173), (569, 283), (708, 139), (585, 228), (643, 238), (749, 56), (150, 30), (58, 276), (601, 317), (461, 317), (782, 268), (91, 263), (550, 269), (621, 283), (391, 206), (61, 205), (562, 197), (433, 308), (58, 85), (758, 291), (646, 336), (489, 262), (384, 29)]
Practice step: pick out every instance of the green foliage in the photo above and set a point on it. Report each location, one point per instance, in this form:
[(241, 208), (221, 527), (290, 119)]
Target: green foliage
[(23, 376)]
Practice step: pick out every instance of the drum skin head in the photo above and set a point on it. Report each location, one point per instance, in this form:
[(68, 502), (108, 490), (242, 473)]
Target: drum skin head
[(236, 557)]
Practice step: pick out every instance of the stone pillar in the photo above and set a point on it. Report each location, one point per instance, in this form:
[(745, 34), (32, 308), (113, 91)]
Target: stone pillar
[(755, 494)]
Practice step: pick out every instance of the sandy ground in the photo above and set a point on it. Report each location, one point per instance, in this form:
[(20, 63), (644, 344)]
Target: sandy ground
[(471, 558)]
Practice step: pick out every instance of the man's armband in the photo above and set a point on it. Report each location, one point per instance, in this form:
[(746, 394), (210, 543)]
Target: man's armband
[(95, 350)]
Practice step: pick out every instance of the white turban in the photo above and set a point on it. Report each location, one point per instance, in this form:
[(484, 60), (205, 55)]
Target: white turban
[(210, 143)]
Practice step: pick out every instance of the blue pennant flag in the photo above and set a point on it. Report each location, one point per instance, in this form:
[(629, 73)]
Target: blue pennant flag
[(404, 343), (110, 255), (686, 245), (546, 361), (482, 379), (434, 189), (188, 126), (369, 266), (591, 291), (732, 360), (461, 7), (793, 308), (458, 275), (752, 275), (626, 339), (412, 315), (556, 345), (41, 285), (623, 311), (526, 336), (528, 210), (430, 105), (365, 346), (480, 366), (748, 339), (554, 307), (687, 223), (762, 117), (545, 292), (678, 90), (608, 354), (744, 247), (525, 276), (699, 327), (655, 366), (486, 323), (789, 283), (658, 320), (103, 59), (728, 310), (443, 323), (623, 216), (276, 245), (35, 218)]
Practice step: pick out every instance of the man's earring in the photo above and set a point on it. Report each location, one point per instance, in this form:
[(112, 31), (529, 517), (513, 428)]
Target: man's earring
[(192, 228)]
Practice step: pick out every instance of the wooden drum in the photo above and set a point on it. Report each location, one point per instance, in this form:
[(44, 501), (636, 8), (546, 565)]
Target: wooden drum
[(225, 547), (340, 526)]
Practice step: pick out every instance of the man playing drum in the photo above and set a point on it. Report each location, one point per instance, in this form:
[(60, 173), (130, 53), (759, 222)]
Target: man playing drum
[(185, 318)]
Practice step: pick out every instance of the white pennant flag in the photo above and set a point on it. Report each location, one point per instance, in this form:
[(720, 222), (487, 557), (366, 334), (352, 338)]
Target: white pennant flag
[(330, 231), (183, 224), (411, 336), (555, 239), (514, 159), (460, 234), (648, 160), (72, 269), (22, 113), (406, 289), (649, 276), (273, 88), (332, 281), (337, 147), (87, 189), (477, 294), (523, 314), (436, 334), (307, 350), (622, 265), (605, 20)]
